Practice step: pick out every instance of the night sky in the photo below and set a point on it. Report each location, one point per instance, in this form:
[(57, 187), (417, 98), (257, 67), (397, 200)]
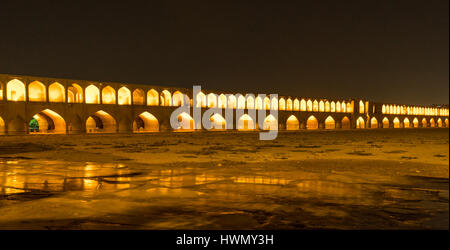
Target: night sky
[(388, 51)]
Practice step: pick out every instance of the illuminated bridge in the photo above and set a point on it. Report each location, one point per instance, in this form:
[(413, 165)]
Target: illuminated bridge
[(34, 105)]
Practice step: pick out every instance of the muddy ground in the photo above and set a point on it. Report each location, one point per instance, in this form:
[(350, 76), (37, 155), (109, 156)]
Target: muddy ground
[(359, 179)]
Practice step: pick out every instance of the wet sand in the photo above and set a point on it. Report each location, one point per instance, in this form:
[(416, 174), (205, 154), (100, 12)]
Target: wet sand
[(365, 179)]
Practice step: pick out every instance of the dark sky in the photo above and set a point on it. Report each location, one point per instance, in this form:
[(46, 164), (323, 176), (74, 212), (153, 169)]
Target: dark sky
[(390, 51)]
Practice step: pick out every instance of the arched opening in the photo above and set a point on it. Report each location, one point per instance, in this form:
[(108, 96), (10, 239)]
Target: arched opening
[(309, 105), (312, 123), (178, 99), (186, 122), (56, 93), (2, 126), (415, 123), (385, 122), (270, 123), (344, 107), (282, 104), (383, 109), (360, 123), (338, 106), (145, 122), (241, 102), (259, 103), (15, 91), (432, 123), (75, 94), (349, 108), (296, 105), (424, 123), (373, 122), (222, 102), (321, 106), (1, 91), (446, 122), (101, 122), (138, 97), (345, 123), (108, 95), (212, 100), (332, 107), (152, 98), (124, 96), (327, 106), (396, 122), (92, 95), (246, 123), (315, 106), (292, 123), (201, 100), (329, 123), (17, 126), (439, 123), (266, 103), (406, 122), (166, 98), (303, 105), (289, 104), (250, 102), (36, 92), (231, 102), (361, 107), (217, 122), (47, 122), (274, 104)]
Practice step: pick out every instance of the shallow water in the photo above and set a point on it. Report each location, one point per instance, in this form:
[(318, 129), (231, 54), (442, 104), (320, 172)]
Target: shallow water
[(39, 194)]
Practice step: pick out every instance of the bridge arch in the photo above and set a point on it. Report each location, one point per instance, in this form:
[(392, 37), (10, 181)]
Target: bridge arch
[(152, 98), (315, 106), (446, 122), (396, 122), (332, 107), (373, 122), (218, 122), (266, 103), (245, 122), (327, 106), (312, 123), (385, 122), (292, 123), (36, 92), (258, 103), (124, 96), (56, 93), (424, 123), (101, 122), (108, 95), (406, 123), (75, 94), (47, 122), (138, 97), (270, 123), (92, 94), (145, 122), (345, 123), (330, 123), (309, 105), (432, 123), (15, 91), (240, 102), (439, 123), (360, 123), (186, 122), (321, 106), (338, 106), (415, 122)]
